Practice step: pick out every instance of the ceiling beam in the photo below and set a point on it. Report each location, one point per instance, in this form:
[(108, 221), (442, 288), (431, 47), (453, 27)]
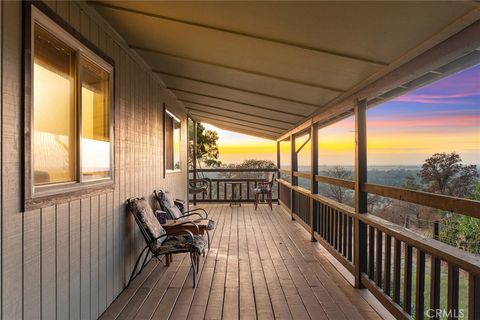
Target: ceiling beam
[(233, 118), (237, 101), (244, 34), (276, 132), (241, 112), (224, 66), (224, 126), (233, 88)]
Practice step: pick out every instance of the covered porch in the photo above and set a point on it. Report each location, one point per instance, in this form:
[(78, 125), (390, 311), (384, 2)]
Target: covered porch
[(260, 265)]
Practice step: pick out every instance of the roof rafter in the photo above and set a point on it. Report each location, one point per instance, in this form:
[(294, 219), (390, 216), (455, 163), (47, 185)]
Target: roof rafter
[(257, 73), (239, 112), (222, 125), (194, 110), (236, 101), (238, 124), (243, 34), (233, 88)]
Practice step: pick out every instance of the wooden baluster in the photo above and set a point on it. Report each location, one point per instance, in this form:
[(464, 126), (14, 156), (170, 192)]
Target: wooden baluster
[(340, 232), (345, 235), (397, 260), (322, 216), (210, 190), (248, 190), (218, 190), (435, 284), (335, 230), (407, 279), (420, 286), (329, 223), (452, 297), (350, 239), (473, 297), (388, 264), (371, 252), (379, 258)]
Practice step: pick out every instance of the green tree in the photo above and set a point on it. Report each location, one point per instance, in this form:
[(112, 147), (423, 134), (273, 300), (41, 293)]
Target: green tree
[(338, 193), (444, 173), (249, 164), (207, 146)]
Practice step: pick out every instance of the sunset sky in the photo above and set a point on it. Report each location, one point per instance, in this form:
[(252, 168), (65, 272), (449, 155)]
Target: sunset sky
[(441, 117)]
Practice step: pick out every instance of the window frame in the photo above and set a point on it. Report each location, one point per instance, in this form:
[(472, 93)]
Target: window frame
[(166, 112), (39, 196)]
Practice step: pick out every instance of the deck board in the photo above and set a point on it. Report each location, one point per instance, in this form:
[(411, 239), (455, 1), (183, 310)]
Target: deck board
[(261, 265)]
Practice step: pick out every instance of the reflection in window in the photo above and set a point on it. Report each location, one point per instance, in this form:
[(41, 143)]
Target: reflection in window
[(172, 142), (54, 116), (95, 122), (70, 108)]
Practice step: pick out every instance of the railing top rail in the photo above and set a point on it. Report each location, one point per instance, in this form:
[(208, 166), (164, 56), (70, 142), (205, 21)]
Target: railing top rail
[(236, 179), (464, 260), (236, 170)]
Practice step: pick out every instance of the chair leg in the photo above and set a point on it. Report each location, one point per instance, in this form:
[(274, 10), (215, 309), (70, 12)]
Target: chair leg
[(198, 262), (133, 275), (194, 269), (256, 201), (208, 239), (270, 201), (167, 260)]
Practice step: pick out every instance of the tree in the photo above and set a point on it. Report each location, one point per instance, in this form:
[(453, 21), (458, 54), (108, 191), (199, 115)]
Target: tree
[(463, 231), (207, 148), (249, 164), (443, 173), (338, 193)]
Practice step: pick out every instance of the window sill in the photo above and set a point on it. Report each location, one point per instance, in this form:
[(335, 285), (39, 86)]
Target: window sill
[(44, 199), (173, 171)]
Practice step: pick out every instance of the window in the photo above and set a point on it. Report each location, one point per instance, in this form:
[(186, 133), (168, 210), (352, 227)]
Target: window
[(172, 142), (70, 112)]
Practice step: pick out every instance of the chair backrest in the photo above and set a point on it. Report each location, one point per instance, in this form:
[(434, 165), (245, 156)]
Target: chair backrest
[(167, 203), (271, 179), (147, 222)]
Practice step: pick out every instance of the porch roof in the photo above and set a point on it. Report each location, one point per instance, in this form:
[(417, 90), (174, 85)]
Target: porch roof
[(263, 68)]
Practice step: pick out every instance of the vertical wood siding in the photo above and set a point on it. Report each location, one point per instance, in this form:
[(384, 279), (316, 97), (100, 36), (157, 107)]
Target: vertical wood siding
[(71, 260)]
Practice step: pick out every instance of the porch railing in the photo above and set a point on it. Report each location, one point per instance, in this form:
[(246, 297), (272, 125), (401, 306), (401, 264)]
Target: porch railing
[(220, 184), (400, 267)]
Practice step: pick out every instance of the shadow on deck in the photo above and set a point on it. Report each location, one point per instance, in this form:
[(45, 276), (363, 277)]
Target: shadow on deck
[(261, 265)]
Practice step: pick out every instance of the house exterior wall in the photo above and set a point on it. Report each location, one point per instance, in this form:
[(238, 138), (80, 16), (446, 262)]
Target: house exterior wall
[(71, 259)]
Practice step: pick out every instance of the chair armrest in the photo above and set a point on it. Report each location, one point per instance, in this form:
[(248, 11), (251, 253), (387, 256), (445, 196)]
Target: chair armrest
[(192, 214), (186, 223), (179, 200), (197, 209), (184, 232)]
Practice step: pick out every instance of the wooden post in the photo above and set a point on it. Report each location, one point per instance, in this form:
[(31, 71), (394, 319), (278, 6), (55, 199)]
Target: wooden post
[(195, 158), (278, 172), (313, 172), (278, 158), (360, 246), (294, 167), (473, 297)]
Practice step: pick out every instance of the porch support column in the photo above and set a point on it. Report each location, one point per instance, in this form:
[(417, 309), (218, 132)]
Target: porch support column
[(313, 173), (278, 171), (278, 159), (194, 154), (294, 168), (360, 243)]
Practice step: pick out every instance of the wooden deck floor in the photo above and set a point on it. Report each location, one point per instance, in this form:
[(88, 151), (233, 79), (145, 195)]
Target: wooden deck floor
[(261, 265)]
